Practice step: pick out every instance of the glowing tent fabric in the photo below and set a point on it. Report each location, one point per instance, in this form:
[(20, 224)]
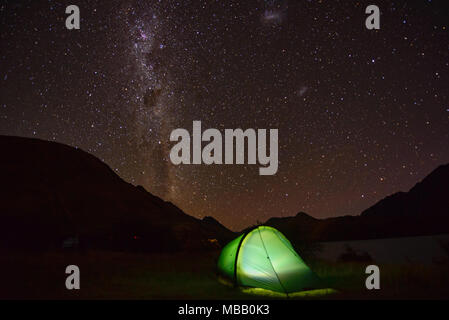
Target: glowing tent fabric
[(264, 258)]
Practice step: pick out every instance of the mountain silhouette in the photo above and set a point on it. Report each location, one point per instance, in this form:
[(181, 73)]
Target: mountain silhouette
[(51, 192), (424, 210), (427, 198)]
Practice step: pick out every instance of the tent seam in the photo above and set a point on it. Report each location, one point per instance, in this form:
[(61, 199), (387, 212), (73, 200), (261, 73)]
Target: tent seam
[(289, 248), (271, 264)]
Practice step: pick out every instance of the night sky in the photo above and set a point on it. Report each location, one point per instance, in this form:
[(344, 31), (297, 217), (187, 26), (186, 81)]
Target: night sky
[(361, 113)]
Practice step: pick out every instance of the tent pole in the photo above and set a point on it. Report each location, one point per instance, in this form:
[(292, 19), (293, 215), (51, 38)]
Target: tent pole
[(237, 256)]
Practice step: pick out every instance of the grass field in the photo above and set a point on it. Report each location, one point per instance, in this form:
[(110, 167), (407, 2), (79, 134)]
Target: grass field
[(114, 275)]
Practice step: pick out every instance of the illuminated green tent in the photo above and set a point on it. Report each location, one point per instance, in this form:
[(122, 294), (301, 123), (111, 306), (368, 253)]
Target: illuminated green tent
[(264, 258)]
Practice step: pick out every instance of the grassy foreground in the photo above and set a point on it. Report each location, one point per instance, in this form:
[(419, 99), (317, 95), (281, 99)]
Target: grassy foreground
[(114, 275)]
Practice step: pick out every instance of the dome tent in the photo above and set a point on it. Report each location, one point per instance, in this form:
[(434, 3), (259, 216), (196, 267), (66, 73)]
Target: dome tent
[(264, 258)]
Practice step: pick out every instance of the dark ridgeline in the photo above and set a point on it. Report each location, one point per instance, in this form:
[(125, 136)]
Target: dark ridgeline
[(424, 210), (53, 195)]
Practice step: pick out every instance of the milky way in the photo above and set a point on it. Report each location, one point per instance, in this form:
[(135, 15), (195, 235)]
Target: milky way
[(361, 113)]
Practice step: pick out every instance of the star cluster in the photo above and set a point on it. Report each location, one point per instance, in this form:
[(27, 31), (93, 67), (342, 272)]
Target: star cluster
[(361, 113)]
